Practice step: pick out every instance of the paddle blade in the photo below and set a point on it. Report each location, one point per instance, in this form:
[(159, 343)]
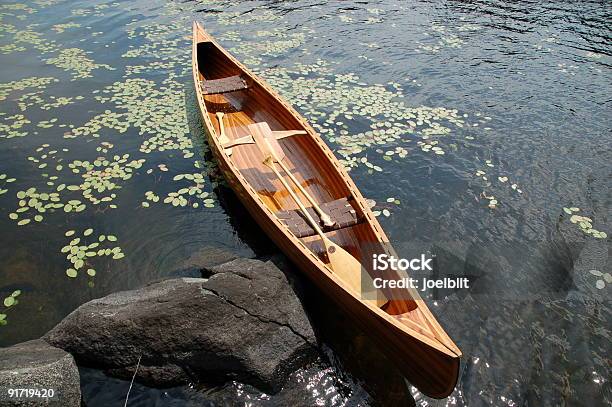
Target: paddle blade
[(350, 271), (222, 137)]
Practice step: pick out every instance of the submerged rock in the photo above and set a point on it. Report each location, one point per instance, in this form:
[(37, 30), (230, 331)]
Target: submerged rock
[(244, 323), (37, 365), (315, 384), (200, 261)]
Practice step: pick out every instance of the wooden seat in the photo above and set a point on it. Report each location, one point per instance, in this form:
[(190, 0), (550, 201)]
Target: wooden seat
[(224, 85), (340, 210)]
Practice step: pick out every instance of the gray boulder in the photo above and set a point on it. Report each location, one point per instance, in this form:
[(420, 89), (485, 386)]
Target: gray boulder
[(37, 365), (243, 323)]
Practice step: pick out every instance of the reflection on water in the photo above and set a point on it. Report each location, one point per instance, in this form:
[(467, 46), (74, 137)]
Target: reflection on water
[(475, 122)]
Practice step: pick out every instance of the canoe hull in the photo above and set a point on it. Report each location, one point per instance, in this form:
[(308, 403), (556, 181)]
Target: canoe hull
[(432, 371)]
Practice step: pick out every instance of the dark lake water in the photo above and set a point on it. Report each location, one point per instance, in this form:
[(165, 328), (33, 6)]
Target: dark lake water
[(472, 124)]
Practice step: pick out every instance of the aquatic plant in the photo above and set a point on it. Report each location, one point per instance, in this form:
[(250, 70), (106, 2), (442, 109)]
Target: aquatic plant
[(492, 201), (8, 302), (25, 83), (75, 60), (606, 278), (17, 7), (10, 48), (584, 223), (256, 15), (11, 125), (60, 28), (345, 18), (383, 209), (82, 254), (4, 180), (161, 44), (156, 110), (96, 10), (48, 160), (103, 175), (182, 197), (443, 37), (36, 40), (40, 202), (281, 43), (392, 123), (107, 119), (40, 100), (104, 147)]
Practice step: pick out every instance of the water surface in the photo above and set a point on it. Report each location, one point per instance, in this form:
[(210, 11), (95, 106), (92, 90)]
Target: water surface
[(471, 124)]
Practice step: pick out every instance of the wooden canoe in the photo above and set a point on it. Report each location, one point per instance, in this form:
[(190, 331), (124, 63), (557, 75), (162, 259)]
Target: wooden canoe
[(404, 328)]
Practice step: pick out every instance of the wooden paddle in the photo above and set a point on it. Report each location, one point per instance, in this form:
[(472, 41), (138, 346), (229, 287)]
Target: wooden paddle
[(325, 218), (343, 264), (264, 138), (223, 139)]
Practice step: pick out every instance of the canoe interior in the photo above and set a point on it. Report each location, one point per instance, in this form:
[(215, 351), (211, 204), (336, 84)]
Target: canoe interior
[(304, 158)]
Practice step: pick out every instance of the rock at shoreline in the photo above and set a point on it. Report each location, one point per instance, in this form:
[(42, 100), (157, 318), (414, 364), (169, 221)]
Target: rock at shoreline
[(37, 365), (244, 322)]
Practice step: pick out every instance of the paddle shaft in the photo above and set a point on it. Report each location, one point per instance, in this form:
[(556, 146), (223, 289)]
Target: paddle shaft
[(325, 218), (270, 162), (345, 266)]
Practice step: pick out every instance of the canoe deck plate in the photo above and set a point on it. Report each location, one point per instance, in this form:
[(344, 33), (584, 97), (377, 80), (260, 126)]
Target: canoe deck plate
[(224, 85), (340, 210)]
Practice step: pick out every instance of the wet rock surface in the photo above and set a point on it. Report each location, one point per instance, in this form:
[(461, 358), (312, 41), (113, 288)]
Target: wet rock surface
[(37, 365)]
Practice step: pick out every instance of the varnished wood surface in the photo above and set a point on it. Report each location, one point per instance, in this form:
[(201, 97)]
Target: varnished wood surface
[(405, 329)]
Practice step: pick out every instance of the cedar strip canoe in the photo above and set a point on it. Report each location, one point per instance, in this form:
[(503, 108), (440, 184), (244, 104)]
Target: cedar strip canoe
[(404, 327)]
